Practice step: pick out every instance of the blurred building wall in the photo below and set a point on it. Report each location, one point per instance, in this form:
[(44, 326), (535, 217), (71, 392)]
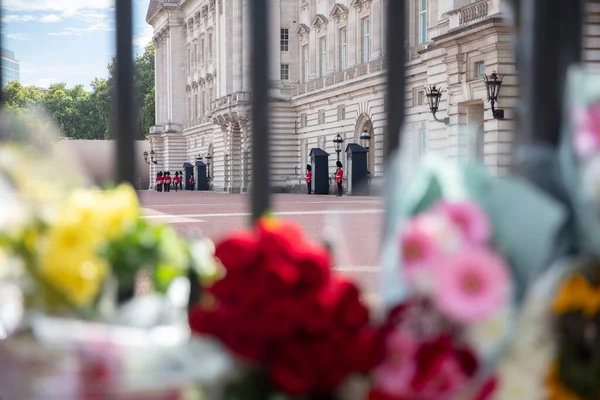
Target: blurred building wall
[(97, 159)]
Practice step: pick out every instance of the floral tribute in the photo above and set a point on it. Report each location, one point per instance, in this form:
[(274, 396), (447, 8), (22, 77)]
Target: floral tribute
[(440, 337), (280, 310), (576, 312)]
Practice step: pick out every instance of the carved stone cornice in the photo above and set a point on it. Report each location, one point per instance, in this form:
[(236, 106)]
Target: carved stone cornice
[(339, 13), (195, 85), (188, 88), (319, 22), (209, 77), (361, 4), (303, 31)]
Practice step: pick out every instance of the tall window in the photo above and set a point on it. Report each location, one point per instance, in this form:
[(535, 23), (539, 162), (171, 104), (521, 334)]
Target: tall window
[(210, 46), (305, 62), (285, 72), (189, 59), (195, 55), (323, 48), (285, 39), (202, 51), (203, 102), (423, 141), (209, 100), (422, 21), (343, 49), (366, 45), (479, 70)]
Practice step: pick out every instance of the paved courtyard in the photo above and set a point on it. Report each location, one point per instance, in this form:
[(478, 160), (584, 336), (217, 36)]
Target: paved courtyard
[(352, 224)]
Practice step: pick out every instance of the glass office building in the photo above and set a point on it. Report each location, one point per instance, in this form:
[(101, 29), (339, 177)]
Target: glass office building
[(10, 67)]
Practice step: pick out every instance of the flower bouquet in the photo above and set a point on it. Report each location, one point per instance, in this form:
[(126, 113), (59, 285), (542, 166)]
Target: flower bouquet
[(89, 288), (297, 330), (455, 272), (556, 352)]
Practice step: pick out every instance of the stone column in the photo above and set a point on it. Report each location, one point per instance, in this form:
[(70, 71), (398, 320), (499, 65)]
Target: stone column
[(157, 83), (376, 29), (352, 39), (236, 56), (274, 40), (177, 73), (332, 40), (246, 45), (313, 44)]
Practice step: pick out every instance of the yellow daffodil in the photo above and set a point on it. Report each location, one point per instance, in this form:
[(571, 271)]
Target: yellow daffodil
[(120, 210), (69, 261), (576, 294)]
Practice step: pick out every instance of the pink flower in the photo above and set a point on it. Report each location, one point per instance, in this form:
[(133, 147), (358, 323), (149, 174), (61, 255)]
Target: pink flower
[(395, 375), (419, 247), (469, 218), (472, 285), (587, 129)]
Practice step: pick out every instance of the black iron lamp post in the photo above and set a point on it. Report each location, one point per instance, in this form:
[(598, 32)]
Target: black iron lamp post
[(493, 83), (152, 159), (338, 142), (199, 157), (433, 97), (208, 158), (365, 139)]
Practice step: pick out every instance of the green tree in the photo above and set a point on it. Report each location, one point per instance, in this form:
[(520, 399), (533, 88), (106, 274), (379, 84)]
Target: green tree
[(88, 115)]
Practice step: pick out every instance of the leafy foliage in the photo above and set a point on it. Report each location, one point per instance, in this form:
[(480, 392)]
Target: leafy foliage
[(87, 115)]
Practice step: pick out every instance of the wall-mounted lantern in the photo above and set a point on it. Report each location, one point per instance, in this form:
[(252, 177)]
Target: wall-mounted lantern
[(492, 84), (433, 97)]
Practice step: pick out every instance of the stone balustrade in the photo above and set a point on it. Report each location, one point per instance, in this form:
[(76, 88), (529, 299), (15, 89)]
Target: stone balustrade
[(349, 74), (473, 13)]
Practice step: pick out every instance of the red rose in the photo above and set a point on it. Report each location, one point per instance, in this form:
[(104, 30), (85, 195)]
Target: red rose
[(279, 237), (442, 368), (238, 251), (244, 345), (314, 264), (281, 274), (309, 366), (379, 395), (204, 321), (365, 350), (349, 311), (294, 369), (278, 319), (315, 312)]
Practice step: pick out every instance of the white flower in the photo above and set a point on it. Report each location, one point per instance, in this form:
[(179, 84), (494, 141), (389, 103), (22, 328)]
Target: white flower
[(202, 252), (488, 336)]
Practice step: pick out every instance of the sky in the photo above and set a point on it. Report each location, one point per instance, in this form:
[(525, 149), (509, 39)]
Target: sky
[(70, 41)]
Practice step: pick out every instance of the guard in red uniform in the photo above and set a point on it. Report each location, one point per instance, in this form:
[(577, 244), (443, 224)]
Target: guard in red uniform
[(309, 178), (339, 177), (168, 181), (176, 181), (159, 182), (192, 181)]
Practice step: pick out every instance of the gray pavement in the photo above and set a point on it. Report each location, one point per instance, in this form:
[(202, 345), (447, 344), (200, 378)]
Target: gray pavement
[(352, 224)]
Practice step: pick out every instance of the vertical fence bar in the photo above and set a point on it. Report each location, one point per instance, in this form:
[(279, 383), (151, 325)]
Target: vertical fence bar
[(551, 41), (259, 11), (394, 102), (123, 100), (396, 54)]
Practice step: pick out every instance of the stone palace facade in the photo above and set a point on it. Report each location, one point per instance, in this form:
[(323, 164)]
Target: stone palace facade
[(328, 77)]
